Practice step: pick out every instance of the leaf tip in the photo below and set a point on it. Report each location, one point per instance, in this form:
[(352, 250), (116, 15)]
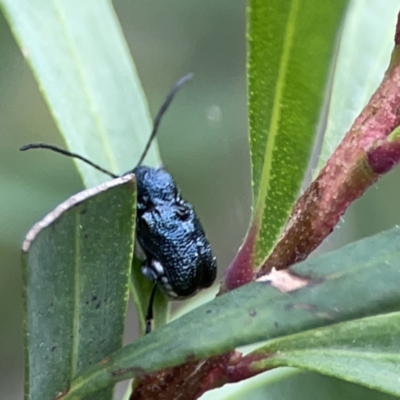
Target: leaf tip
[(73, 201)]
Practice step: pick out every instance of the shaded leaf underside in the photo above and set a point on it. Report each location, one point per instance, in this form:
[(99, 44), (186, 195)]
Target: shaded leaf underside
[(76, 270)]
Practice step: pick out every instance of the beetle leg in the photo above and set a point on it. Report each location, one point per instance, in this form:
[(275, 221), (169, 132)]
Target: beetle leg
[(149, 313)]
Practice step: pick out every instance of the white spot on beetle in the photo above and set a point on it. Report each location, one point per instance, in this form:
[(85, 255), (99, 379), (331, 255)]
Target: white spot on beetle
[(158, 268)]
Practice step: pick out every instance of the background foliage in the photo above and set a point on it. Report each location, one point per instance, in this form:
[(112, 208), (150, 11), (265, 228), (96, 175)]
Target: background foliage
[(203, 142)]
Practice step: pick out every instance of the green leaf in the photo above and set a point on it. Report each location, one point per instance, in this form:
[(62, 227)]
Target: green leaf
[(290, 44), (294, 384), (255, 312), (364, 351), (290, 49), (81, 62), (360, 45), (76, 265)]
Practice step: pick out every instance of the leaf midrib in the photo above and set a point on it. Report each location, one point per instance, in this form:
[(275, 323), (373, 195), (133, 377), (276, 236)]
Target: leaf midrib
[(75, 322), (276, 108), (101, 129)]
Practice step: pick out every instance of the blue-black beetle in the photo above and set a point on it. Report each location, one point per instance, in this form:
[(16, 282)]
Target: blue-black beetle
[(178, 256)]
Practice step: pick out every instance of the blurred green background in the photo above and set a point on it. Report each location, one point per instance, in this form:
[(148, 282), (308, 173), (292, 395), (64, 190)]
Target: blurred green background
[(203, 142)]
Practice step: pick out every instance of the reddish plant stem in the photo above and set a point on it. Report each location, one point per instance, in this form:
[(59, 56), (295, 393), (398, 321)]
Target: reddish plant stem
[(191, 380), (240, 270), (362, 157)]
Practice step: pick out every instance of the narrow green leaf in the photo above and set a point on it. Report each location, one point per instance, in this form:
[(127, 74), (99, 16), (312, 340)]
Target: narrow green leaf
[(81, 62), (294, 384), (76, 276), (255, 312), (364, 351), (290, 48), (290, 44), (364, 54)]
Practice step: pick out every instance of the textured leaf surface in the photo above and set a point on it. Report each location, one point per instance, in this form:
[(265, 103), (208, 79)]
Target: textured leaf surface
[(82, 64), (290, 44), (76, 274), (290, 49), (257, 312), (360, 45), (364, 351)]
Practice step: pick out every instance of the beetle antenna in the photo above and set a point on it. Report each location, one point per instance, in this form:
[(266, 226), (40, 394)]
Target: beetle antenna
[(149, 313), (162, 111), (156, 124), (66, 153)]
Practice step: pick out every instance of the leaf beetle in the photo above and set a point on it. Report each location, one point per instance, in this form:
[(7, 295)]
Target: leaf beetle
[(178, 256)]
